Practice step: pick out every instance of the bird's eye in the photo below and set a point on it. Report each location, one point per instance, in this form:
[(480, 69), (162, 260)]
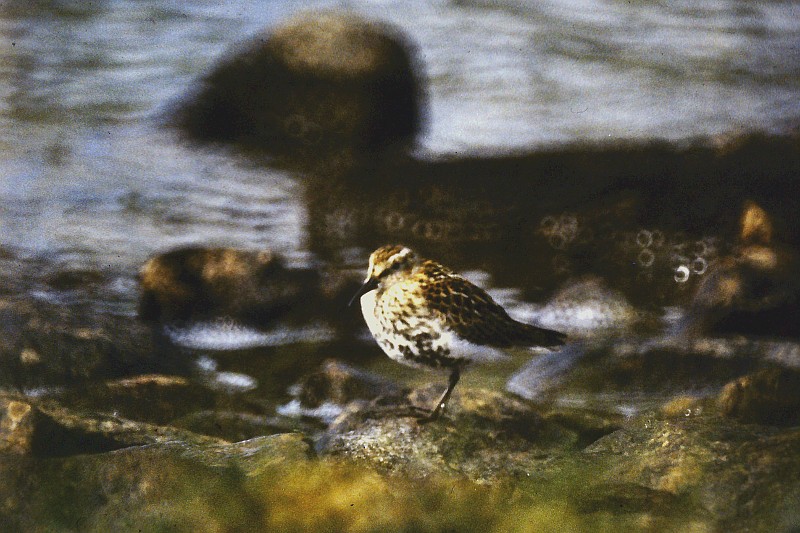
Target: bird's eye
[(391, 267)]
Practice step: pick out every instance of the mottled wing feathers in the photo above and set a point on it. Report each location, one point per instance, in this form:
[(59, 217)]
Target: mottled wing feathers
[(473, 315)]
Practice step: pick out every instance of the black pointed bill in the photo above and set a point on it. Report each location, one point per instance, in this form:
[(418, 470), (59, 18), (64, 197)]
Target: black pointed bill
[(368, 285)]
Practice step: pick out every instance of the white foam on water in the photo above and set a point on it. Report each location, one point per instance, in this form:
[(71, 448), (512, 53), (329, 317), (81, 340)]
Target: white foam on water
[(326, 412), (232, 382), (227, 335)]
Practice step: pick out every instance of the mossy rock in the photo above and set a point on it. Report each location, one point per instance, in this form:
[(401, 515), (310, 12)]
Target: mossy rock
[(742, 476)]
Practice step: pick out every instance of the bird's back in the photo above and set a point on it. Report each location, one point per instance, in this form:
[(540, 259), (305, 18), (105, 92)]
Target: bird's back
[(472, 314)]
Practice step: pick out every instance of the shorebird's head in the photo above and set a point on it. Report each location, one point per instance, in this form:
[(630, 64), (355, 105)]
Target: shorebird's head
[(383, 262)]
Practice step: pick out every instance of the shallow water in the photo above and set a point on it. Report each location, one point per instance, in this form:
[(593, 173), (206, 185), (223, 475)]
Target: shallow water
[(90, 181)]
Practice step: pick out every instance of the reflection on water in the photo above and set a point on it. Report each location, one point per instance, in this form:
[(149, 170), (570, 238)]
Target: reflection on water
[(91, 185)]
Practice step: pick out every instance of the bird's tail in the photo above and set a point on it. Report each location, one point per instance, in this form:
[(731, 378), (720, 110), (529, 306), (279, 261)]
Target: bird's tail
[(529, 335)]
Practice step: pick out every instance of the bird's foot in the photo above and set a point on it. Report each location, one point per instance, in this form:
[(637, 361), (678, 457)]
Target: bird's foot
[(431, 416), (405, 410)]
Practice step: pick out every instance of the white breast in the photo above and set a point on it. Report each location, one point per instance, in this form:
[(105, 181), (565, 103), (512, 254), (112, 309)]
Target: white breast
[(368, 311), (388, 338)]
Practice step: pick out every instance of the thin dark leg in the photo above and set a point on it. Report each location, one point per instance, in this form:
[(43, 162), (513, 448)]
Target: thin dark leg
[(440, 405)]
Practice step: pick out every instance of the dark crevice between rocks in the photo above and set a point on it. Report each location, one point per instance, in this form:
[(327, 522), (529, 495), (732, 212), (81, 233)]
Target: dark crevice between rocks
[(51, 439)]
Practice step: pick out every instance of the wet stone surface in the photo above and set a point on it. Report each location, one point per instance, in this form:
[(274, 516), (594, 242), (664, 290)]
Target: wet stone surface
[(485, 436)]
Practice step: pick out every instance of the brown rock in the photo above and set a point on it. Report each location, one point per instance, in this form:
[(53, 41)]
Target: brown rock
[(770, 396), (153, 398), (754, 290), (17, 425), (197, 283), (47, 429), (341, 383)]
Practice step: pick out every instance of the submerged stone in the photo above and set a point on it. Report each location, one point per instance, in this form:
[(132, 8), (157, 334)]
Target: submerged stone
[(339, 383)]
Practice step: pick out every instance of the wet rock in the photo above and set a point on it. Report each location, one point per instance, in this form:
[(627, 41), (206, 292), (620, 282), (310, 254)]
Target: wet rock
[(628, 376), (252, 456), (339, 383), (754, 291), (741, 476), (233, 426), (70, 280), (588, 307), (684, 406), (45, 343), (29, 357), (153, 398), (589, 425), (319, 85), (196, 283), (47, 429), (770, 396), (484, 436)]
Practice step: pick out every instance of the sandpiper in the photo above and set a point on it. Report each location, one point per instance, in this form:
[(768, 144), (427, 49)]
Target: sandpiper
[(424, 315)]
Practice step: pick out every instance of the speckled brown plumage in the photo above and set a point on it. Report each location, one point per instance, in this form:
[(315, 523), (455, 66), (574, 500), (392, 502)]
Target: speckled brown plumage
[(473, 315), (423, 314)]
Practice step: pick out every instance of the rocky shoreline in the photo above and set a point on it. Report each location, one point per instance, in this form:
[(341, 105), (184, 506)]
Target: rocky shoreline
[(684, 465), (673, 268)]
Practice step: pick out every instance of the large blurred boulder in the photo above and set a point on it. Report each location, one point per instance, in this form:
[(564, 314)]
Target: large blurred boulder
[(320, 85)]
